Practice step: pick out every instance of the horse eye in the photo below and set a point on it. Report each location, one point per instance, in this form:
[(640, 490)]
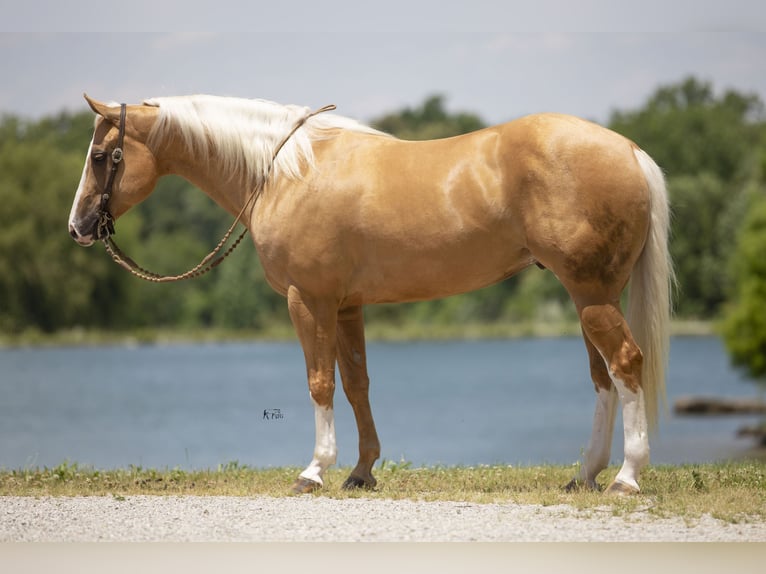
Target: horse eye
[(98, 156)]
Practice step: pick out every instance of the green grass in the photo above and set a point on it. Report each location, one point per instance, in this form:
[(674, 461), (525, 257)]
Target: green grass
[(733, 492)]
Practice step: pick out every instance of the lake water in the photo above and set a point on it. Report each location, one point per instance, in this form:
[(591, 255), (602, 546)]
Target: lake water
[(519, 402)]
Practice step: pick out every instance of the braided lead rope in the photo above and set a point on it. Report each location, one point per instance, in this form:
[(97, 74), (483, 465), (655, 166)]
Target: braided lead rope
[(198, 270), (208, 262)]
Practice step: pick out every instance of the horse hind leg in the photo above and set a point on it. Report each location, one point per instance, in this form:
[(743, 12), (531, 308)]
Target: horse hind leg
[(597, 453), (607, 329), (352, 364)]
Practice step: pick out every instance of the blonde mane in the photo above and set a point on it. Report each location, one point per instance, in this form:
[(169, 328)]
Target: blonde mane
[(242, 134)]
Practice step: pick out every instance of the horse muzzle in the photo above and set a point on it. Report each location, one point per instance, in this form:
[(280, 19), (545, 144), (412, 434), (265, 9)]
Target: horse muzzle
[(101, 228), (84, 240)]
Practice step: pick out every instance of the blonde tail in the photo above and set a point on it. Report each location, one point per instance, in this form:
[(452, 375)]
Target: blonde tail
[(650, 297)]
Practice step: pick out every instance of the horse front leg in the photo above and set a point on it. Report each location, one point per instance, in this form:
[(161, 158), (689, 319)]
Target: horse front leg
[(352, 363), (315, 322)]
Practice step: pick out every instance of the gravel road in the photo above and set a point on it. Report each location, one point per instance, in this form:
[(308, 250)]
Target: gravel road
[(318, 519)]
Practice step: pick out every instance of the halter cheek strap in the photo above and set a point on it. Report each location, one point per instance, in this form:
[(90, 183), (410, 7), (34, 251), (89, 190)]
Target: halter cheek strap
[(105, 225)]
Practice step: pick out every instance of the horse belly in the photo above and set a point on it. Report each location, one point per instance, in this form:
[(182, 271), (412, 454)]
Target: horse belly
[(391, 272)]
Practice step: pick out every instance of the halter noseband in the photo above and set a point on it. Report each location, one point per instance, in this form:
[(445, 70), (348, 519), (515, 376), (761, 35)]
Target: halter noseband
[(105, 224)]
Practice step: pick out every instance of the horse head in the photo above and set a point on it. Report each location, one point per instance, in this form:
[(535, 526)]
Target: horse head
[(120, 169)]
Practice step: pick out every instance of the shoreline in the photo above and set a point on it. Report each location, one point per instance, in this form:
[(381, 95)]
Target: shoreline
[(375, 332)]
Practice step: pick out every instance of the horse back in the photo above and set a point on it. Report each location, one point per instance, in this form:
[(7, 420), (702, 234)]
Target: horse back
[(381, 219)]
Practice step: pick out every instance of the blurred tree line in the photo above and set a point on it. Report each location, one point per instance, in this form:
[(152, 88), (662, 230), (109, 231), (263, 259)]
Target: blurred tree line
[(712, 148)]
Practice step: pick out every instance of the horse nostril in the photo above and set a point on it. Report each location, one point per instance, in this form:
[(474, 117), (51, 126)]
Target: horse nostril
[(73, 232)]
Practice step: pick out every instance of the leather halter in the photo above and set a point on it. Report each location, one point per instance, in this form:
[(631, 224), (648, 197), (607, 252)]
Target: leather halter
[(105, 224)]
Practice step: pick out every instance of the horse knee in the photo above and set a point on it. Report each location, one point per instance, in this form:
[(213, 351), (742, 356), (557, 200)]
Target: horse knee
[(322, 389)]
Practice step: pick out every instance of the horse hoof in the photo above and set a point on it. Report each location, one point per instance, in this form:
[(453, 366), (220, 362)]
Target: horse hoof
[(305, 486), (576, 485), (618, 488), (354, 482), (573, 486)]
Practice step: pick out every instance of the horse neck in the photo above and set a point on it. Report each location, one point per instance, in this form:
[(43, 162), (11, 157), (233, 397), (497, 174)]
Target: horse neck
[(230, 167), (204, 172)]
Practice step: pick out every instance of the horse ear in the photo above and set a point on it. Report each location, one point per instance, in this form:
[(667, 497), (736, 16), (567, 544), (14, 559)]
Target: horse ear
[(140, 118), (108, 112)]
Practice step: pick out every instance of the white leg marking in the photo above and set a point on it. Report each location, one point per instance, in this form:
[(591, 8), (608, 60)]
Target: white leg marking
[(636, 434), (600, 445), (325, 449)]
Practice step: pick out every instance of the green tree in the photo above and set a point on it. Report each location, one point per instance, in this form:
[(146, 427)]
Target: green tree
[(712, 147), (46, 281), (744, 327), (706, 214), (430, 120), (708, 146), (689, 130), (242, 298)]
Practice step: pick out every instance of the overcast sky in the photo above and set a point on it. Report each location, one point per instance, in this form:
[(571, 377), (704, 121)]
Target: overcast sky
[(499, 59)]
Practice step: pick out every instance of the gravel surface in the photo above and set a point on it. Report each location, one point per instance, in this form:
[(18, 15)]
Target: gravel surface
[(318, 519)]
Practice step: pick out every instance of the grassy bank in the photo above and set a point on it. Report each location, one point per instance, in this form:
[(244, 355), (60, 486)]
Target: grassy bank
[(733, 492), (375, 331)]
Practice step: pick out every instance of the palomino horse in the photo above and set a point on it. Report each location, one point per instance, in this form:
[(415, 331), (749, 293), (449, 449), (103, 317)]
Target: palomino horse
[(346, 216)]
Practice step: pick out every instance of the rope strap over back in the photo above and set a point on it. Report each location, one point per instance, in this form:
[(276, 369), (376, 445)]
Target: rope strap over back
[(212, 259)]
